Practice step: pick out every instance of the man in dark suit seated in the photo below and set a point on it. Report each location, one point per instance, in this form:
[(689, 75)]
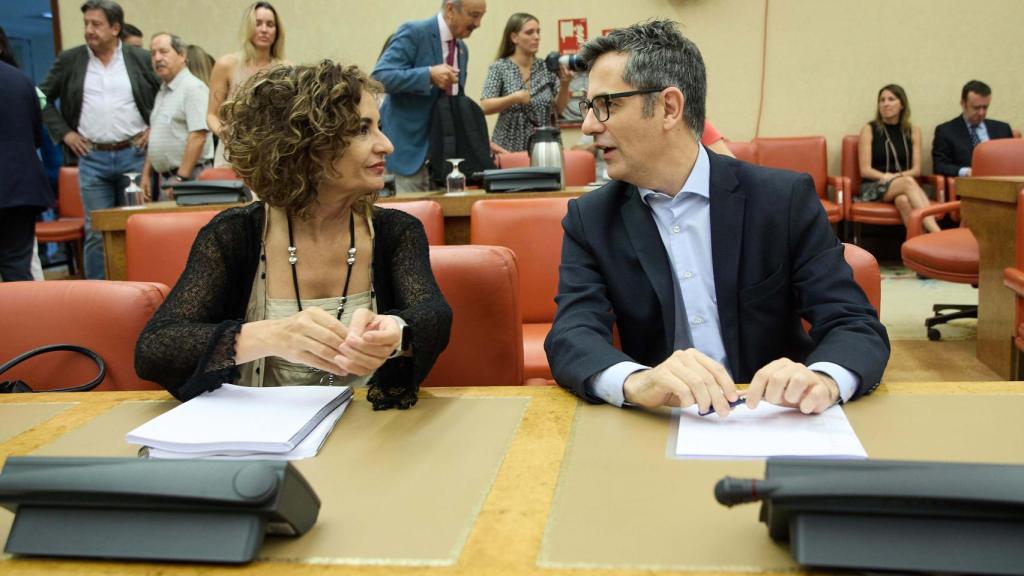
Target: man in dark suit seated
[(955, 140), (705, 264)]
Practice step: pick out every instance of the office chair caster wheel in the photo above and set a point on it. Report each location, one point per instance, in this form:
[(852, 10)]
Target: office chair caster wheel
[(934, 334)]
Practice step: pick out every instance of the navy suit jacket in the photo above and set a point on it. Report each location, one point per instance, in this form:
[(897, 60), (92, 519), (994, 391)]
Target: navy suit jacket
[(22, 180), (404, 70), (775, 261), (951, 148)]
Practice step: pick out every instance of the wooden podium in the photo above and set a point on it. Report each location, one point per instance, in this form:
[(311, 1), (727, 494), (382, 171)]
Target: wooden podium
[(989, 209)]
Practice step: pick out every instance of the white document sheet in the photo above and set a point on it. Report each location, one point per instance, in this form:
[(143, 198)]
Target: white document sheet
[(308, 448), (241, 418), (769, 430)]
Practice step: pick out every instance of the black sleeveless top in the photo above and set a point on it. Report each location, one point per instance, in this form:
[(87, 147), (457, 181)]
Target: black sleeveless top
[(894, 158)]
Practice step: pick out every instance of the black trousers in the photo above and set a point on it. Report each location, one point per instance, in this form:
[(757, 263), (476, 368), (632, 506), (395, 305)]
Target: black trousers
[(17, 233)]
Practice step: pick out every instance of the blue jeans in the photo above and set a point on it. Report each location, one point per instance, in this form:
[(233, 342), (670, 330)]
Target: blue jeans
[(102, 182)]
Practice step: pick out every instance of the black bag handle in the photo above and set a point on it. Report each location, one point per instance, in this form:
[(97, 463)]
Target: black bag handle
[(11, 386)]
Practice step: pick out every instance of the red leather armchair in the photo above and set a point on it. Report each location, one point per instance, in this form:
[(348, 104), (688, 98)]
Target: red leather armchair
[(745, 151), (808, 154), (429, 213), (532, 229), (879, 213), (1003, 159), (104, 316), (158, 245), (481, 284), (1013, 278), (69, 227), (512, 160)]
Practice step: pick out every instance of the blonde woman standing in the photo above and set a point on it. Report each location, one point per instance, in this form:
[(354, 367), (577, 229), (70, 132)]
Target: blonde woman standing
[(261, 36)]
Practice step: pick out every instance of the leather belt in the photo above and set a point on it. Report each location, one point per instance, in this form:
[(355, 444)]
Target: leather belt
[(112, 147)]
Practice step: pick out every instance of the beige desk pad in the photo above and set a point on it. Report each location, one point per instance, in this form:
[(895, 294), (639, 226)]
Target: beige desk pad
[(396, 487), (620, 503), (17, 418)]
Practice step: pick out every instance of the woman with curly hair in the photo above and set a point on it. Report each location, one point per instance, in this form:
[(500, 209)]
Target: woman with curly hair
[(261, 41), (313, 284)]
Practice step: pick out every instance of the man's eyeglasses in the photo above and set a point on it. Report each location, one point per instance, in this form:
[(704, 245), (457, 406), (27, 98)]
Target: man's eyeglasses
[(601, 104)]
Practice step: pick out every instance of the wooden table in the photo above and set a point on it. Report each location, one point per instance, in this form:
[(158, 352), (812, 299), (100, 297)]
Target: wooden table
[(111, 222), (989, 208), (511, 531)]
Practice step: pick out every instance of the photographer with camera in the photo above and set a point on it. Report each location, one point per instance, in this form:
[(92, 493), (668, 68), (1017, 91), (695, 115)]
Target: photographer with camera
[(520, 87)]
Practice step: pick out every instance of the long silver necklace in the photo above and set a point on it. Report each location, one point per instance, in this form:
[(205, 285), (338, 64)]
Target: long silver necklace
[(350, 260)]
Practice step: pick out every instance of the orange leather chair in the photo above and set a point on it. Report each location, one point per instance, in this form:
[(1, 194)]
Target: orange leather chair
[(221, 173), (158, 245), (429, 213), (953, 255), (102, 315), (532, 229), (808, 154), (580, 166), (1013, 278), (1003, 160), (745, 151), (512, 160), (865, 273), (481, 284), (879, 213), (69, 227)]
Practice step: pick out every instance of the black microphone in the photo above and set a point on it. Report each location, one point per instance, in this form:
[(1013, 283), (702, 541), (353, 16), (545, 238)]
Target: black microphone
[(730, 491)]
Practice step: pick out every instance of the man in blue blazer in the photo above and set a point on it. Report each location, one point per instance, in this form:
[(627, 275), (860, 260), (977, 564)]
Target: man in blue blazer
[(705, 264), (955, 140), (423, 60)]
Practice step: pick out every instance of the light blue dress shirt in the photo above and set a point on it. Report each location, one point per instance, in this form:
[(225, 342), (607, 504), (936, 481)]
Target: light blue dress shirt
[(684, 224)]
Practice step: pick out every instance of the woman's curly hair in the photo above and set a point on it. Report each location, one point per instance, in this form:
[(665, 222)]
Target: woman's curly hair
[(288, 124)]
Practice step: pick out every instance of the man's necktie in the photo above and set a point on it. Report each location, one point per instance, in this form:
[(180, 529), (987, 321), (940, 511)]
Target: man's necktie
[(974, 135), (450, 60)]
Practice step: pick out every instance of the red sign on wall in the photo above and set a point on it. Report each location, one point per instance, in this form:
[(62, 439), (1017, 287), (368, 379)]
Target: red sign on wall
[(572, 35), (606, 31)]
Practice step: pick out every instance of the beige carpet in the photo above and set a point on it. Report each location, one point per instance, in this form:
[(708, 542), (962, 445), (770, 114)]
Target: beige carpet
[(906, 301)]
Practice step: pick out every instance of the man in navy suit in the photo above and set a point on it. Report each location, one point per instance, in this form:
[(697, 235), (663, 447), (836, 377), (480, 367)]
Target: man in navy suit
[(422, 61), (706, 265), (955, 140)]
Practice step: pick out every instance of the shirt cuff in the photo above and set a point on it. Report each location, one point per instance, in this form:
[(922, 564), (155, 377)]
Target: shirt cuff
[(847, 381), (607, 384), (965, 171)]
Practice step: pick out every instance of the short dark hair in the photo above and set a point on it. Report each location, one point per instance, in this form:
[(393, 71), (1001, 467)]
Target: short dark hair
[(131, 30), (112, 10), (976, 86), (658, 56)]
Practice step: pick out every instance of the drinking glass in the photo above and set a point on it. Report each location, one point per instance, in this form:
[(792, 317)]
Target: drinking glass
[(133, 193), (456, 181)]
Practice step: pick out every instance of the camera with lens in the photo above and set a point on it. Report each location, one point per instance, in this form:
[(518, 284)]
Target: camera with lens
[(571, 61)]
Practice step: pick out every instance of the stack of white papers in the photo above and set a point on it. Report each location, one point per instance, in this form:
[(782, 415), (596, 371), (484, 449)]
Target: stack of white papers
[(769, 430), (280, 423)]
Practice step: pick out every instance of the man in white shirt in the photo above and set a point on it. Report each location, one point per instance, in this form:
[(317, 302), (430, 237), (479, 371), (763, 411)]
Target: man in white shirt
[(706, 265), (106, 90), (178, 145)]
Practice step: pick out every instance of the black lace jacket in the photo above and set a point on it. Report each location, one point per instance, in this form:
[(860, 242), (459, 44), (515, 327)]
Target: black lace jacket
[(188, 347)]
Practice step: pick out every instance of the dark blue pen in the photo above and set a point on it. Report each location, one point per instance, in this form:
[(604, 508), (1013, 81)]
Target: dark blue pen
[(732, 404)]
